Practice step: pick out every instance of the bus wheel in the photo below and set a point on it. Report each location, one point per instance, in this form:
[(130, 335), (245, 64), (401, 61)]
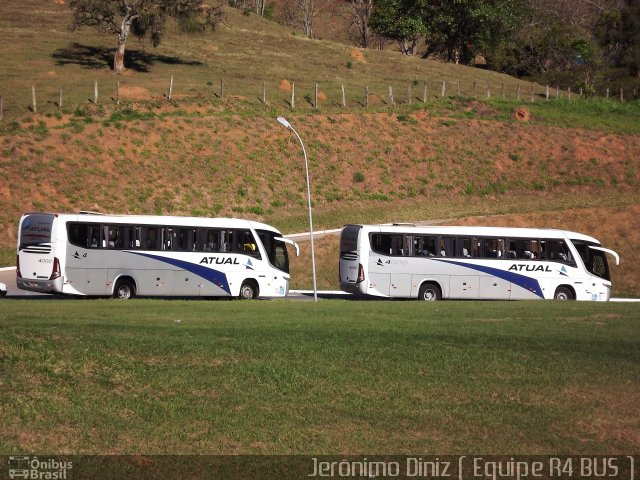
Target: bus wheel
[(429, 292), (248, 291), (125, 289), (563, 293)]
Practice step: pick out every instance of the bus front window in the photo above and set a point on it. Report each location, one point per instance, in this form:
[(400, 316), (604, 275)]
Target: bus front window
[(276, 250)]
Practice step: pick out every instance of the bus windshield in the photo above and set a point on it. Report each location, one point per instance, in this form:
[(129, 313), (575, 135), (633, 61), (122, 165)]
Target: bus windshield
[(276, 250), (595, 261)]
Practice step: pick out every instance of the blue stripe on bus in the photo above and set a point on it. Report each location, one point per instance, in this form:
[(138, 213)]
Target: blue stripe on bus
[(523, 281), (214, 276)]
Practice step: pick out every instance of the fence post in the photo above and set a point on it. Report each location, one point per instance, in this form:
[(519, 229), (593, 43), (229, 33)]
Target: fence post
[(391, 95), (222, 88), (293, 95), (458, 87), (95, 91), (60, 99), (315, 100), (264, 92), (518, 93), (621, 95), (1, 106), (546, 93), (117, 92), (424, 96), (488, 91), (607, 93), (532, 93), (366, 96), (443, 89), (344, 98), (34, 106), (409, 100), (170, 87)]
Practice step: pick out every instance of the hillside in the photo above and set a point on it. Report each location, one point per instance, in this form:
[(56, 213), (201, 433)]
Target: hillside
[(574, 164)]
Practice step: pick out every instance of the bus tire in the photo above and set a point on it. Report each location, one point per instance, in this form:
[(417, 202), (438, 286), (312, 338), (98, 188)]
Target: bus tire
[(429, 292), (564, 293), (248, 290), (125, 289)]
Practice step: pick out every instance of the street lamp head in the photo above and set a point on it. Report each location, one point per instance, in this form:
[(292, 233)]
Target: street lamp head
[(284, 122)]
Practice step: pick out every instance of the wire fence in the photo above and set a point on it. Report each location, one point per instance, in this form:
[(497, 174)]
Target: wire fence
[(284, 94)]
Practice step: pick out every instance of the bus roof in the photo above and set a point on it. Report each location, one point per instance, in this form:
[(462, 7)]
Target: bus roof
[(479, 231), (168, 220)]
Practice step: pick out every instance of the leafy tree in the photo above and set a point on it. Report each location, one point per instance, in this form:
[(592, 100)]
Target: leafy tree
[(461, 29), (140, 17), (404, 21)]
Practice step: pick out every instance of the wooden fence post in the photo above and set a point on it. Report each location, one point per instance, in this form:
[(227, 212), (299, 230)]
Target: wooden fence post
[(117, 92), (366, 96), (170, 88), (458, 87), (409, 93), (607, 93), (488, 91), (424, 95), (532, 93), (222, 88), (293, 95), (518, 93), (95, 92), (391, 95), (621, 95), (443, 90), (60, 99), (546, 93), (315, 99), (264, 92), (344, 97), (34, 106)]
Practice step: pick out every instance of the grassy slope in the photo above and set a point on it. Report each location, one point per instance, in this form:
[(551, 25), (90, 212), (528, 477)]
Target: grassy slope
[(336, 377)]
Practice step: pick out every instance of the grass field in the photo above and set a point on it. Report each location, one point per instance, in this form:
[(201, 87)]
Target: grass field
[(341, 377)]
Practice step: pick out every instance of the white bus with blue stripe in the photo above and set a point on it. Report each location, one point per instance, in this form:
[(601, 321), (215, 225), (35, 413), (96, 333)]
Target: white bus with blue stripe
[(430, 263), (126, 255)]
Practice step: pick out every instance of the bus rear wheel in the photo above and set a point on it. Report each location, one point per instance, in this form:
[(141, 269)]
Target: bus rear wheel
[(125, 289), (564, 293), (248, 291), (429, 292)]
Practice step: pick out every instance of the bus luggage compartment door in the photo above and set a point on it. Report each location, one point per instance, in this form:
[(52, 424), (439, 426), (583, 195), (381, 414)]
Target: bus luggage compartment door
[(465, 286)]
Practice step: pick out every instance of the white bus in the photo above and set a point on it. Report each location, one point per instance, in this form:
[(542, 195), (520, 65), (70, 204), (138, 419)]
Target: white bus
[(430, 263), (126, 255)]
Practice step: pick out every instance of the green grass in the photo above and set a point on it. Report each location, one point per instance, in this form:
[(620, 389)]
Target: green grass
[(200, 377)]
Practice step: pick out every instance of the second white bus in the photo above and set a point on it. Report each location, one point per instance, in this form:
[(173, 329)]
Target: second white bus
[(430, 263), (126, 255)]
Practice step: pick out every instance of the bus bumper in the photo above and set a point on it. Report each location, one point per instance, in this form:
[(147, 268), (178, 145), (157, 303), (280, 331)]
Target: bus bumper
[(40, 285)]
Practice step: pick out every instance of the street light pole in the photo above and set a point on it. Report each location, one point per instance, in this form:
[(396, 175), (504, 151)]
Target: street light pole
[(284, 122)]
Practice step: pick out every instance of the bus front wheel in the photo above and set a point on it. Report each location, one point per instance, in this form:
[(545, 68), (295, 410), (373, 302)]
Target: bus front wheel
[(125, 289), (564, 293), (429, 292), (248, 291)]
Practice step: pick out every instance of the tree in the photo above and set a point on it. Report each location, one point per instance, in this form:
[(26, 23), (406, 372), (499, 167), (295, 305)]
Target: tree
[(360, 12), (462, 29), (141, 17), (401, 20)]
